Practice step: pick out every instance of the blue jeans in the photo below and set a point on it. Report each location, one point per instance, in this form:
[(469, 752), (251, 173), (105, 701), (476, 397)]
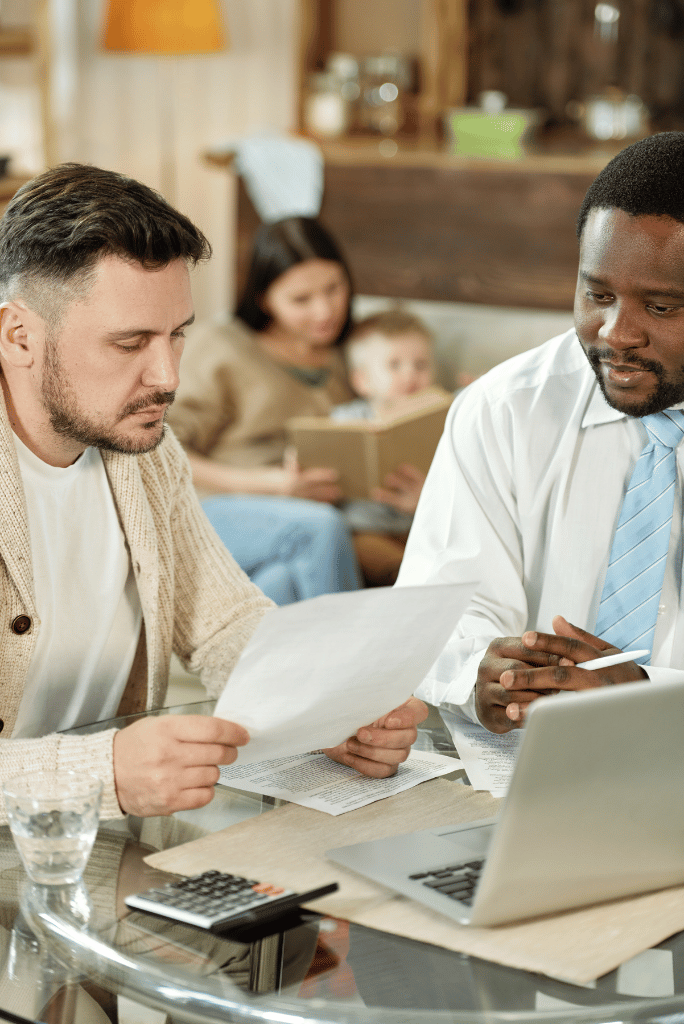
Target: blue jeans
[(292, 549)]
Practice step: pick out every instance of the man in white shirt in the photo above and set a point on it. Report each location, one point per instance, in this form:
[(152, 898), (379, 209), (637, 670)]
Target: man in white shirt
[(526, 488), (107, 562)]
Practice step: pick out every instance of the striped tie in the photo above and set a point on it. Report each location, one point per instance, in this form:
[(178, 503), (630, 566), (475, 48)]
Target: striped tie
[(634, 578)]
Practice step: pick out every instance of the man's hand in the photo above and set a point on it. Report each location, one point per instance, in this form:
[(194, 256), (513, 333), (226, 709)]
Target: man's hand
[(377, 749), (493, 701), (168, 764), (574, 646), (542, 664)]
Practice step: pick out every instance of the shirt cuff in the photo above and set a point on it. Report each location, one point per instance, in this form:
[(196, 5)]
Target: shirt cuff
[(458, 691), (660, 674)]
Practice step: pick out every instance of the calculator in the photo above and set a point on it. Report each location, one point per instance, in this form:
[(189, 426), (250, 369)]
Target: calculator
[(215, 900)]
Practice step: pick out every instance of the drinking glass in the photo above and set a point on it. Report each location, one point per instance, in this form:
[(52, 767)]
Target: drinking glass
[(53, 817)]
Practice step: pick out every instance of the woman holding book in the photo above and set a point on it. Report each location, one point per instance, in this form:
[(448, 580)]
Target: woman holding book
[(241, 382)]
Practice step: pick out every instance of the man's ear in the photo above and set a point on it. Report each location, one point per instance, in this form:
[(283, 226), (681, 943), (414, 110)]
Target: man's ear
[(16, 333), (359, 381)]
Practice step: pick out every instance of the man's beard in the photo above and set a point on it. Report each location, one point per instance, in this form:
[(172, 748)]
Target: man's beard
[(667, 391), (68, 420)]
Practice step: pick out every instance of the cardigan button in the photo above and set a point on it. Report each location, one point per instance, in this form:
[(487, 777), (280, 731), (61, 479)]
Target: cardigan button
[(21, 624), (2, 725)]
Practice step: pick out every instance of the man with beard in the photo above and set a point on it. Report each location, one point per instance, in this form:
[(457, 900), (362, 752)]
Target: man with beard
[(107, 562), (557, 483)]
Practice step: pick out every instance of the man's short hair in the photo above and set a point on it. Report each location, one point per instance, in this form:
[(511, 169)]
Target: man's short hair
[(391, 323), (61, 223), (645, 179)]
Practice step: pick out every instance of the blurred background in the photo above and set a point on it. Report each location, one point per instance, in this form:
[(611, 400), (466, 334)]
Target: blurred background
[(447, 144), (456, 138), (64, 97)]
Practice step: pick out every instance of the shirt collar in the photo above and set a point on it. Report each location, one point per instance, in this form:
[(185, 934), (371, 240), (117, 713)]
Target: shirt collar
[(598, 411)]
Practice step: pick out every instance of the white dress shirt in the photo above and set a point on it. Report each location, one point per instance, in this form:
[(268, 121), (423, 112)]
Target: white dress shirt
[(523, 497)]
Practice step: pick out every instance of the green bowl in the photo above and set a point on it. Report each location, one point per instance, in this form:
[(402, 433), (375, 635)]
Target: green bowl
[(502, 135)]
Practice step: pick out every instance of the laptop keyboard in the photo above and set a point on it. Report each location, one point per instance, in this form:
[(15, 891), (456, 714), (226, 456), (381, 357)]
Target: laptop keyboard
[(457, 881)]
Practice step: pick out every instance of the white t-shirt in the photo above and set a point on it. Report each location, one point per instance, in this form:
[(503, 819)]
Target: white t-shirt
[(86, 597)]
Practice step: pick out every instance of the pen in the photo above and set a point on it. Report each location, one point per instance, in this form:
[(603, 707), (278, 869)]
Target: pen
[(611, 659)]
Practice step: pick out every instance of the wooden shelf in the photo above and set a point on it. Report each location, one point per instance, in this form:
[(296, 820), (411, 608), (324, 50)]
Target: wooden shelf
[(556, 153), (423, 153)]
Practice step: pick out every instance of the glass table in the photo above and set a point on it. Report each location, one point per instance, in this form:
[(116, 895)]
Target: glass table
[(76, 955)]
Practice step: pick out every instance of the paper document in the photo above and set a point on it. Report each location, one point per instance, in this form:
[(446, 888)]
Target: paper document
[(316, 671), (488, 757), (313, 780)]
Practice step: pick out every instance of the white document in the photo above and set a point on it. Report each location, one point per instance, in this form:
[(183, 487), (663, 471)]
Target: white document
[(313, 780), (316, 671), (488, 757)]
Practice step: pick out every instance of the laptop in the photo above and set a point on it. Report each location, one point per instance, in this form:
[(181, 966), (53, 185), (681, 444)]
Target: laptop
[(594, 811)]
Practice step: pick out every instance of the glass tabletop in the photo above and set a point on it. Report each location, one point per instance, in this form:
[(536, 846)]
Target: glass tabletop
[(76, 953)]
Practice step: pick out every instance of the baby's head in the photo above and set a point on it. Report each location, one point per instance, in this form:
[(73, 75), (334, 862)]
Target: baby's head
[(390, 356)]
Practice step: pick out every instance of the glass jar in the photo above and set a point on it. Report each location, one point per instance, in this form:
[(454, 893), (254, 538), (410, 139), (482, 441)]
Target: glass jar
[(326, 110), (384, 82), (345, 67)]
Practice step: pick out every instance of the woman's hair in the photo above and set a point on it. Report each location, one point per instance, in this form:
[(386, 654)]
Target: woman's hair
[(277, 248)]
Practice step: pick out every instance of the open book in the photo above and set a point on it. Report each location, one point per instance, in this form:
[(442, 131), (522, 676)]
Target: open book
[(364, 451)]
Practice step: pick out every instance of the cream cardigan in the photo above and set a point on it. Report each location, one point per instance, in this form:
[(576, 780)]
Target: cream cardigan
[(195, 601)]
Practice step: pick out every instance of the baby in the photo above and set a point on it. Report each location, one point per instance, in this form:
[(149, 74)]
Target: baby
[(390, 357)]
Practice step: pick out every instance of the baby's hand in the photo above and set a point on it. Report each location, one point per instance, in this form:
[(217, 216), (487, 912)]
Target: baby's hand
[(401, 489), (315, 484)]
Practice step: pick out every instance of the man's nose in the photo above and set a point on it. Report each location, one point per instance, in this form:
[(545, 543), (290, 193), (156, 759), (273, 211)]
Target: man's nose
[(621, 327), (161, 367)]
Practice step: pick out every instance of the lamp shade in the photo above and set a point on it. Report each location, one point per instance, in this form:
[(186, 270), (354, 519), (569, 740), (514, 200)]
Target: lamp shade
[(164, 27)]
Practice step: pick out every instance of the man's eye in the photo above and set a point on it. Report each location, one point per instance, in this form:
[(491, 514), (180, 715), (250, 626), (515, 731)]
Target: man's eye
[(656, 307), (598, 296)]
